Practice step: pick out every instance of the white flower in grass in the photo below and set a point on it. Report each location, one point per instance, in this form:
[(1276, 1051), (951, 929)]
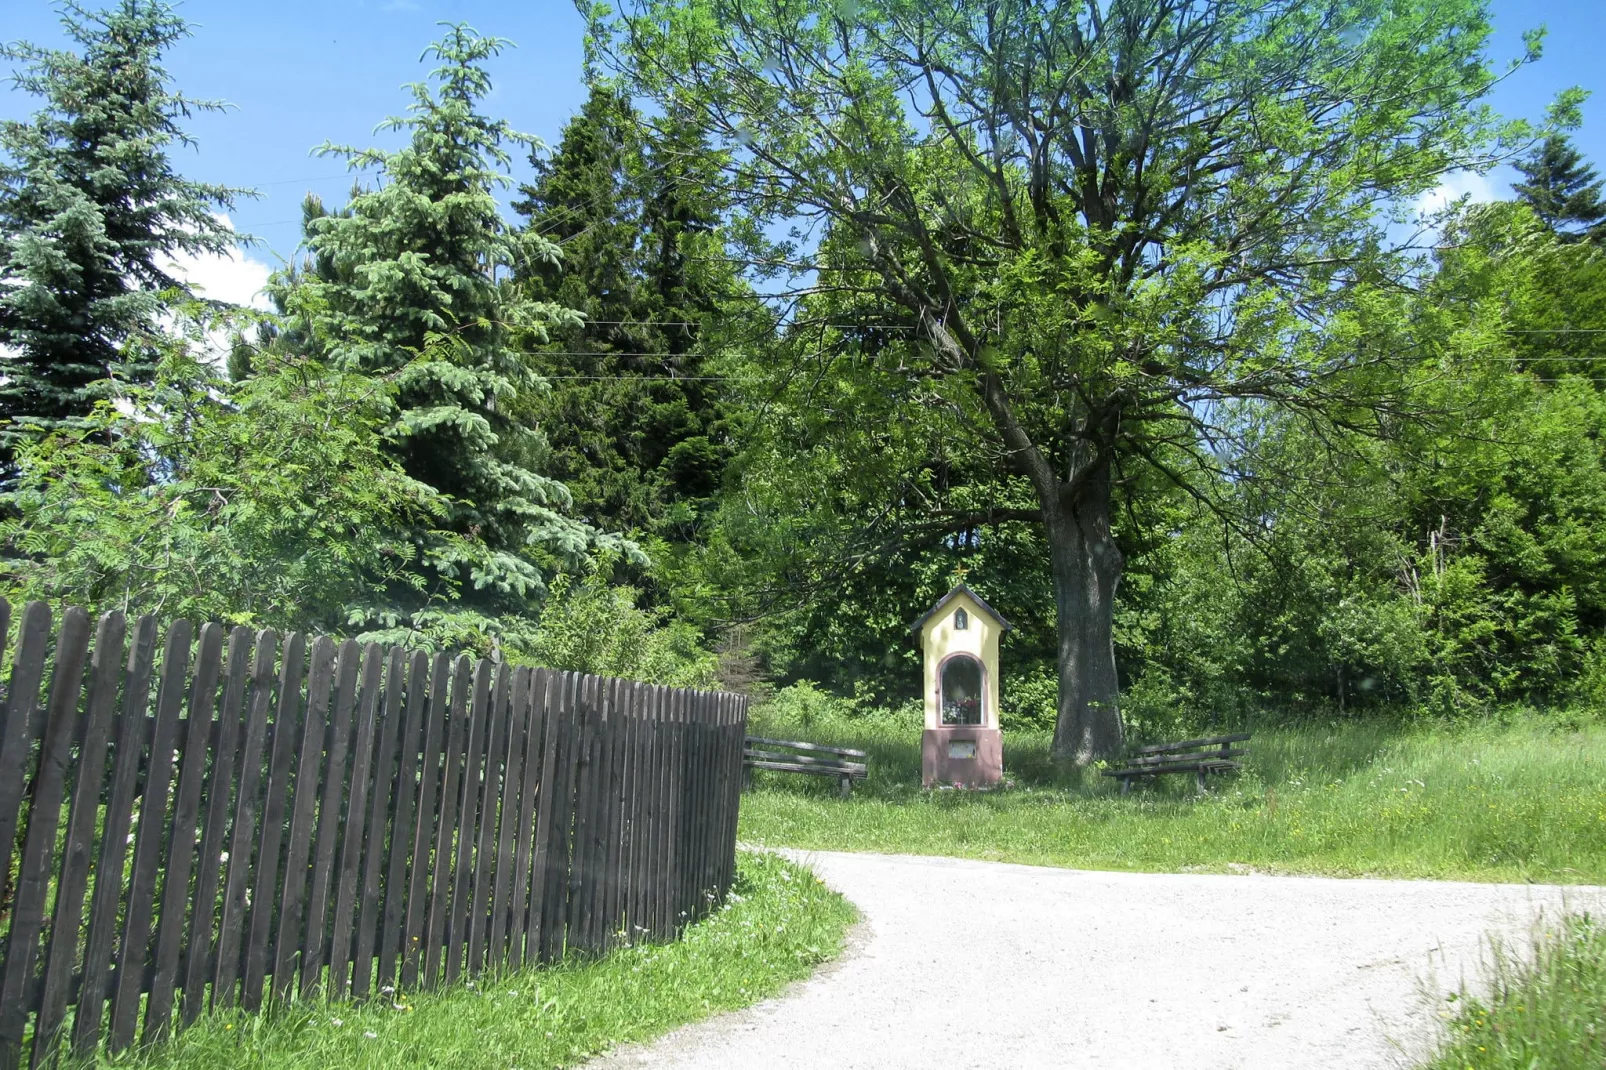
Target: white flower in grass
[(336, 1022), (371, 1035)]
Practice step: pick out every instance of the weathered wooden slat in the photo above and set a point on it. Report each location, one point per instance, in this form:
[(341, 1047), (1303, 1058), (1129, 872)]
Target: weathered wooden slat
[(605, 919), (403, 863), (384, 728), (62, 951), (557, 863), (846, 752), (801, 759), (1190, 744), (513, 784), (675, 786), (236, 917), (303, 816), (447, 832), (658, 850), (1207, 764), (35, 872), (221, 801), (357, 828), (636, 794), (588, 795), (264, 908), (468, 821), (490, 801), (100, 944), (173, 922), (524, 830), (17, 727), (548, 855), (1195, 756), (420, 896), (331, 812), (134, 950)]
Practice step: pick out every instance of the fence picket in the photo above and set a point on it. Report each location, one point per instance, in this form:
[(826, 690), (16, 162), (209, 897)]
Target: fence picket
[(105, 661), (420, 896), (399, 876), (303, 812), (468, 822), (512, 784), (134, 951), (445, 837), (336, 744), (44, 820), (490, 794), (99, 947), (200, 955), (263, 906), (16, 730), (175, 902), (356, 824), (232, 926), (524, 835)]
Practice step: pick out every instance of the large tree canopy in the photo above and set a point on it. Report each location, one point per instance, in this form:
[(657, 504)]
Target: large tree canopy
[(1106, 226)]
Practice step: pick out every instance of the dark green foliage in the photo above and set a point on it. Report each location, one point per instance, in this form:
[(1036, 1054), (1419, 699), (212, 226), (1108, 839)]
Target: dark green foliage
[(412, 282), (1561, 187), (635, 419), (91, 207), (268, 503)]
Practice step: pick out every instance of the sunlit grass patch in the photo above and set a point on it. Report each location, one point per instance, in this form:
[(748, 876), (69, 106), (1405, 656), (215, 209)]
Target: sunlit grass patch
[(1523, 801), (1544, 1011), (779, 923)]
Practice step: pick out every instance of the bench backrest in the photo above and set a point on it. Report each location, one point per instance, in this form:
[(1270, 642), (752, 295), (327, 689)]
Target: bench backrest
[(808, 748), (1194, 744)]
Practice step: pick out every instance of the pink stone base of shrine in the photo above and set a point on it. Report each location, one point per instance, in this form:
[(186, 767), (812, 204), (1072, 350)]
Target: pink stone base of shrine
[(946, 761)]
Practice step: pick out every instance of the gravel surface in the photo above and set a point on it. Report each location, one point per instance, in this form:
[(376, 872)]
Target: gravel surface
[(981, 964)]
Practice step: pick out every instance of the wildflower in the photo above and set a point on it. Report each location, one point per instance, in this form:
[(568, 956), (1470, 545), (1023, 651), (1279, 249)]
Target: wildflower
[(336, 1022), (371, 1035)]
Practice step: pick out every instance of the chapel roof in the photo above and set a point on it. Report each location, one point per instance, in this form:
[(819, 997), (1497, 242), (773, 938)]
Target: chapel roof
[(949, 597)]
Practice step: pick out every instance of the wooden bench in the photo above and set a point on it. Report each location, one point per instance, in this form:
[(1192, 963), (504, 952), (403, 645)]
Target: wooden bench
[(845, 764), (1197, 756)]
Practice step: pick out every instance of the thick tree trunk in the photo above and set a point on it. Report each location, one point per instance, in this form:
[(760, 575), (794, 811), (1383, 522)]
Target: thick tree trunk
[(1086, 566)]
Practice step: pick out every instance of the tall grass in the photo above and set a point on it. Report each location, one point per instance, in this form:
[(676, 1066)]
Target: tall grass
[(1544, 1010), (1517, 801), (779, 923)]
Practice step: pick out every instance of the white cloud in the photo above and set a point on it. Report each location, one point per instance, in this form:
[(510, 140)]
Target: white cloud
[(1469, 184), (233, 277)]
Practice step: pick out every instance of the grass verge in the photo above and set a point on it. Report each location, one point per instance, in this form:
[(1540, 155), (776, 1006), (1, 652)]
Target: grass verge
[(1547, 1010), (779, 923), (1491, 802)]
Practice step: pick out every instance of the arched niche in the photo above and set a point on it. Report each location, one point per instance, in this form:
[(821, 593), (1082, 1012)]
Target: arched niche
[(964, 692)]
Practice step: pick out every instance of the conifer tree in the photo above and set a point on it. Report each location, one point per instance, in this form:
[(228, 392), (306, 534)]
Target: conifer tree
[(635, 422), (91, 208), (1562, 188), (413, 281)]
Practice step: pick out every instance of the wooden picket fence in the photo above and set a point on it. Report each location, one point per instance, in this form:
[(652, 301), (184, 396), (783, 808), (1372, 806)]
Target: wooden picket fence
[(301, 817)]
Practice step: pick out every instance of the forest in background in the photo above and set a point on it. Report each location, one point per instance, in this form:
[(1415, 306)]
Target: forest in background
[(637, 427)]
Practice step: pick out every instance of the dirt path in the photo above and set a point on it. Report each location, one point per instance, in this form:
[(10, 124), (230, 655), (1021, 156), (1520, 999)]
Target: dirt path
[(979, 964)]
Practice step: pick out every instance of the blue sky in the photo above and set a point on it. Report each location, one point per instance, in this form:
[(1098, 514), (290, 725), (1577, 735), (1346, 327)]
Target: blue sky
[(298, 73)]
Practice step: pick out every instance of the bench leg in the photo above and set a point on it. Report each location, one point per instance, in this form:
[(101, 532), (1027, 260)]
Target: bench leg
[(1126, 784), (1200, 774), (747, 778), (845, 786)]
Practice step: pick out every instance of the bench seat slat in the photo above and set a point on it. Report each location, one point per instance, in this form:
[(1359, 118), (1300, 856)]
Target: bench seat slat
[(1218, 766), (1198, 756), (801, 759), (1192, 744), (846, 752), (857, 772)]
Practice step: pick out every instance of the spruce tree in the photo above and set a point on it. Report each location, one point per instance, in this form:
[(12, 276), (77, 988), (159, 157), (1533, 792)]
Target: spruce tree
[(91, 208), (635, 421), (1562, 188), (413, 281)]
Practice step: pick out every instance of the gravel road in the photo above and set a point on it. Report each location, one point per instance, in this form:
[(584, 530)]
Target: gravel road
[(980, 964)]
